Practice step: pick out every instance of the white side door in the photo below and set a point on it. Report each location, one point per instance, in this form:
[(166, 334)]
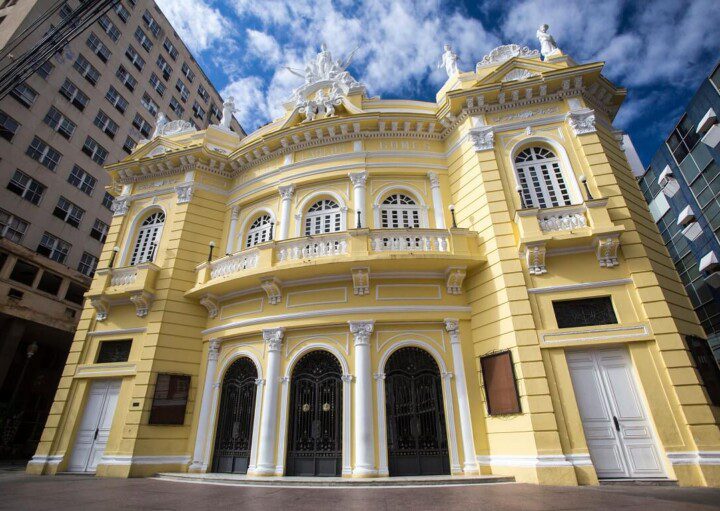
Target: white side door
[(616, 425), (95, 425)]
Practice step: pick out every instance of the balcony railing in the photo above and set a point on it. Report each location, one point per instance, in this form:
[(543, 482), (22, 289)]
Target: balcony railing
[(566, 219), (340, 251), (129, 284)]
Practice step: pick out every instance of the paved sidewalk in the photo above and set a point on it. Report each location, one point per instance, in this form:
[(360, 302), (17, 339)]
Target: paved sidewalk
[(19, 491)]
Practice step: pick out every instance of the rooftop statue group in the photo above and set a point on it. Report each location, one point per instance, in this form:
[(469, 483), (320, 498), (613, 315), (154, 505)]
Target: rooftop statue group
[(548, 48), (324, 68)]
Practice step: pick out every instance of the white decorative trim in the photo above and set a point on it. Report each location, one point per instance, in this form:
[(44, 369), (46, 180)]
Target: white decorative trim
[(232, 304), (541, 460), (535, 258), (518, 74), (454, 277), (604, 334), (128, 459), (582, 285), (120, 206), (184, 192), (210, 302), (42, 459), (582, 121), (315, 291), (378, 287), (106, 370), (504, 53), (117, 331), (606, 250), (346, 311), (102, 308), (142, 302), (273, 288), (694, 458), (482, 138), (361, 281)]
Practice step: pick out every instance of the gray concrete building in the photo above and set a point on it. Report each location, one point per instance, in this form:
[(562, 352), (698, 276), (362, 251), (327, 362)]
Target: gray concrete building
[(86, 107)]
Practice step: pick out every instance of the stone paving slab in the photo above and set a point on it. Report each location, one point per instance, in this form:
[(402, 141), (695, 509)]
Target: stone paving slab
[(19, 491)]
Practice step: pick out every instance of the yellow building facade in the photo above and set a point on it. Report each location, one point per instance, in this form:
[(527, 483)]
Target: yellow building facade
[(368, 288)]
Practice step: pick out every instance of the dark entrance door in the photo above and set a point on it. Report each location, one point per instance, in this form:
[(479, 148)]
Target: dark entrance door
[(235, 424), (315, 429), (417, 441)]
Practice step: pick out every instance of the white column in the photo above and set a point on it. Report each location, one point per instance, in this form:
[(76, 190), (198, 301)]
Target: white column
[(268, 420), (359, 181), (286, 193), (231, 242), (470, 465), (362, 411), (205, 406), (438, 208)]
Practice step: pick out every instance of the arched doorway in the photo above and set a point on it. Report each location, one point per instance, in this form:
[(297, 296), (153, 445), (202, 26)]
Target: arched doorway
[(233, 439), (416, 435), (315, 428)]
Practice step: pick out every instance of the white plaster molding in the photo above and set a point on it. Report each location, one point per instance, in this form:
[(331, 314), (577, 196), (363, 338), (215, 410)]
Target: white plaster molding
[(273, 287), (361, 281), (273, 338), (482, 137), (577, 287), (117, 331), (358, 178), (694, 458), (535, 258), (541, 460), (606, 250), (361, 331), (595, 334), (120, 206), (505, 52), (142, 302), (518, 74), (128, 459), (582, 121), (454, 277), (210, 302), (184, 192), (102, 308), (440, 309)]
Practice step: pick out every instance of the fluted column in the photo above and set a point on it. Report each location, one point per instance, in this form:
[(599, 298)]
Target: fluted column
[(286, 193), (198, 462), (359, 181), (362, 411), (231, 244), (470, 461), (273, 338), (438, 208)]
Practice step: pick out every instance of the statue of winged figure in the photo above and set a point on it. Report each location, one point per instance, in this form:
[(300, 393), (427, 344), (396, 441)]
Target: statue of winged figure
[(324, 67)]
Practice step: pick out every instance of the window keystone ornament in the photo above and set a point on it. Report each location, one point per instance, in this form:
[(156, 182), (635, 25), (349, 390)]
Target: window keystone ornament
[(606, 250), (454, 278), (272, 286), (184, 192), (483, 138), (582, 121), (101, 307), (120, 206), (361, 281), (535, 258), (210, 302)]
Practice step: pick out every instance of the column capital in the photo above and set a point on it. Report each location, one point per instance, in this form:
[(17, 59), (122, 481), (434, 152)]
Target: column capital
[(452, 326), (214, 349), (358, 178), (447, 375), (286, 191), (361, 330), (434, 179), (235, 212), (259, 381), (273, 337), (379, 376)]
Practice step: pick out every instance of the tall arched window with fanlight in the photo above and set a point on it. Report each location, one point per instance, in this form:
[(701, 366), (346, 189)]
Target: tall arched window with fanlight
[(322, 217), (541, 178), (399, 210), (148, 237), (260, 231)]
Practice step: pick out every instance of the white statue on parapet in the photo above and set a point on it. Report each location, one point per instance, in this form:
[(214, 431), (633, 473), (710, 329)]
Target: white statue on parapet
[(449, 61), (227, 113), (160, 121), (548, 46), (327, 81)]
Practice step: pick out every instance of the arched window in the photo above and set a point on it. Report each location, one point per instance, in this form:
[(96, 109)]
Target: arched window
[(148, 237), (322, 217), (399, 210), (542, 182), (259, 231)]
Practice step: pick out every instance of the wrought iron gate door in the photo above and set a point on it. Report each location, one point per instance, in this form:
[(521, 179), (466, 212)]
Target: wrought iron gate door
[(233, 439), (417, 440), (315, 429)]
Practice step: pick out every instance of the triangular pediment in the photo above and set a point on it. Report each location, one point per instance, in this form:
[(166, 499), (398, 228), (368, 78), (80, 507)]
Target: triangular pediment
[(154, 148), (517, 69)]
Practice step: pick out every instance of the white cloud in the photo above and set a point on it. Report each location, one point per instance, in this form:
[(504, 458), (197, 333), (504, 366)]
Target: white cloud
[(249, 99), (263, 46), (196, 22)]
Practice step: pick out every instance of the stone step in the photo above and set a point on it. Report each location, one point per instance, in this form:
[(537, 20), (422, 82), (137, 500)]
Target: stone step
[(332, 482), (638, 482)]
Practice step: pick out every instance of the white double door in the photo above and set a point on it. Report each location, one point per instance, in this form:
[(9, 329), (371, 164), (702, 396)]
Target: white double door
[(94, 428), (617, 428)]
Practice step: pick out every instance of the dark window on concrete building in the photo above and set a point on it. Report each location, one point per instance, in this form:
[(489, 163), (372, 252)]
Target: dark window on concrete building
[(26, 187), (584, 312), (25, 94), (74, 95), (12, 227), (170, 399), (108, 200), (499, 382), (114, 351), (60, 122), (8, 126), (44, 154), (50, 283), (24, 272), (75, 293)]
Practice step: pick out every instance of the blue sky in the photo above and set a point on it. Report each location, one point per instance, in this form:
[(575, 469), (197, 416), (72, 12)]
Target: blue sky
[(659, 49)]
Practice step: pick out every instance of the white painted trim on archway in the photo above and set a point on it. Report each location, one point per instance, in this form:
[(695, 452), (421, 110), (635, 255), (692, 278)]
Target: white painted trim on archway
[(455, 467), (285, 404), (130, 234), (416, 193), (300, 209), (239, 242)]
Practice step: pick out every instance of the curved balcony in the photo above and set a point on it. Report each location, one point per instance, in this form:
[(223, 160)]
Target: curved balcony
[(378, 250), (130, 284)]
